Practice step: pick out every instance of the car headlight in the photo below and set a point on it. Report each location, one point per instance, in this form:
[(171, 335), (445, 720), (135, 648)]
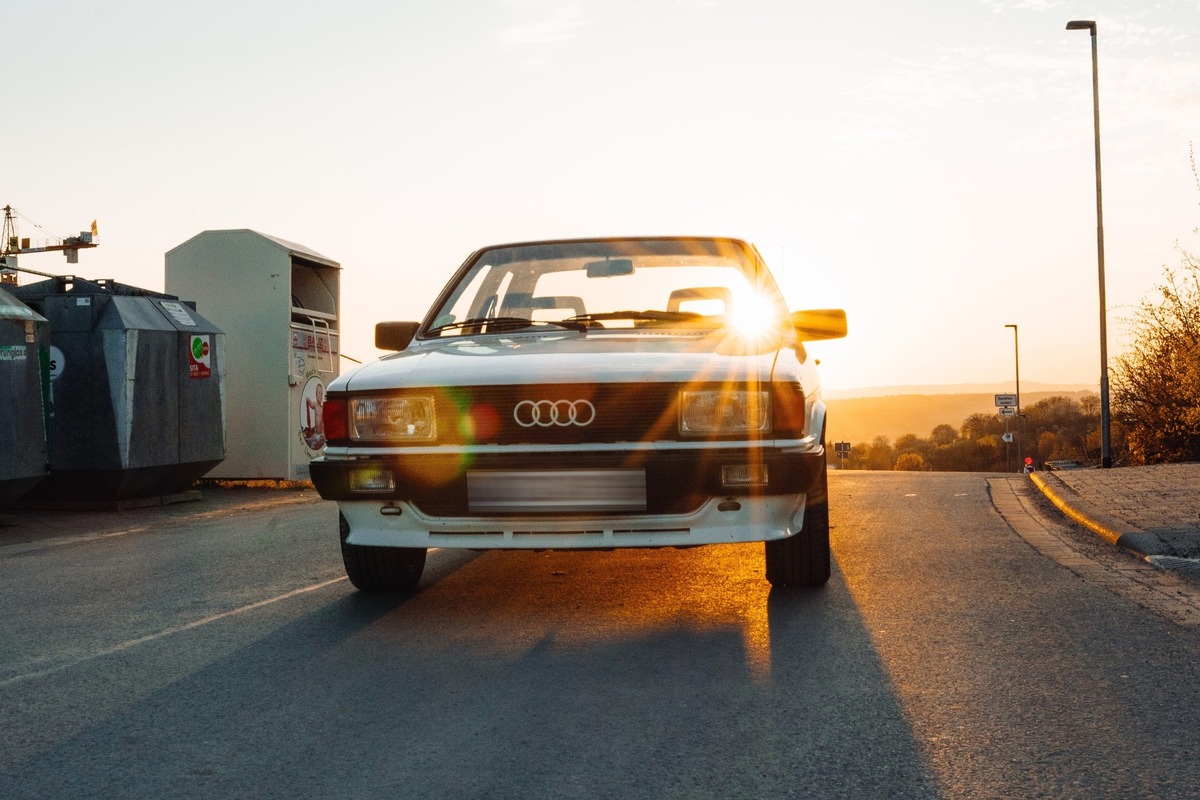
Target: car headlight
[(703, 413), (405, 419)]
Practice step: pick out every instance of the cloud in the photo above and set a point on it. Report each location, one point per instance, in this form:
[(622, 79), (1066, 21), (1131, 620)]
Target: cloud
[(565, 24), (1000, 6)]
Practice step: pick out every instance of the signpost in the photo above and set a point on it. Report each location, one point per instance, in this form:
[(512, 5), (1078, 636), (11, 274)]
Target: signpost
[(842, 449), (1006, 407)]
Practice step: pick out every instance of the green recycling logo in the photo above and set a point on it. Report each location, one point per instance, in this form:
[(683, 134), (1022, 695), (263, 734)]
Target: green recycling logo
[(200, 357)]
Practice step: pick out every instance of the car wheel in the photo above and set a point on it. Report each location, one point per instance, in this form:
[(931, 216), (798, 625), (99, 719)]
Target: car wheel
[(803, 559), (381, 569)]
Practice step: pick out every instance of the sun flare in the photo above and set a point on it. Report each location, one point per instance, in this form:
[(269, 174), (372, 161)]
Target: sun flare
[(753, 314)]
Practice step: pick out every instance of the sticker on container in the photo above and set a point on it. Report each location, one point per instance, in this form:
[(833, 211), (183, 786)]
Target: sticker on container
[(178, 312), (14, 352), (312, 404), (57, 363), (200, 357)]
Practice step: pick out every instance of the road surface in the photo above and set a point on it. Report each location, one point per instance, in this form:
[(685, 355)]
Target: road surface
[(957, 652)]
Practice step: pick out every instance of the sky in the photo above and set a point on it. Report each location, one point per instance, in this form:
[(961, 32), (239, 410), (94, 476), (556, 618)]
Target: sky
[(928, 166)]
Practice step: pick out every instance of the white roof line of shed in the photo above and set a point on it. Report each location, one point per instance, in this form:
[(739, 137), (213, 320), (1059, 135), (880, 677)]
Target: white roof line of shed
[(292, 248)]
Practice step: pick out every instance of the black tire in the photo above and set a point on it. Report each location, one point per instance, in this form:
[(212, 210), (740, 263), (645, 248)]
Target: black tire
[(803, 559), (381, 569)]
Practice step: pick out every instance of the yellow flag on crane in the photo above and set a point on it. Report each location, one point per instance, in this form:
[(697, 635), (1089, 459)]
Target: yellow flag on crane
[(95, 230)]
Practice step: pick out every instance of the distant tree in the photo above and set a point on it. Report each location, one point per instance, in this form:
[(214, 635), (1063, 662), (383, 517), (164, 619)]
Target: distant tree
[(910, 443), (943, 435), (911, 462), (1060, 414), (855, 460), (977, 426), (879, 454), (1058, 428), (1156, 383), (960, 455), (1089, 404), (1051, 446), (993, 453)]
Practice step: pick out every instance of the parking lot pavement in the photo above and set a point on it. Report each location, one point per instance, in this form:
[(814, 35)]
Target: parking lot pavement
[(23, 528), (1152, 510)]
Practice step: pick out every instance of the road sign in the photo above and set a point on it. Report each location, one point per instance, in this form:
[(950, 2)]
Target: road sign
[(1006, 400), (1008, 437), (842, 449), (1007, 411)]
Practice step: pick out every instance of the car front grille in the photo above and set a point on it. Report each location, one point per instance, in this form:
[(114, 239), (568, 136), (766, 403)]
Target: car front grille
[(558, 414)]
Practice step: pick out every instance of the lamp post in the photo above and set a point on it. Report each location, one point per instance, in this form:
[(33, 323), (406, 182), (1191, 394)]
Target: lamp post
[(1017, 360), (1105, 434)]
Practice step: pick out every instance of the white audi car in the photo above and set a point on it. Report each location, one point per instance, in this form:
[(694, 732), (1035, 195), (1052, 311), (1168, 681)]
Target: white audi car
[(586, 394)]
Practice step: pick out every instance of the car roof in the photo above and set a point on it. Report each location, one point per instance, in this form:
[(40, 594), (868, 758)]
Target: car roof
[(585, 239)]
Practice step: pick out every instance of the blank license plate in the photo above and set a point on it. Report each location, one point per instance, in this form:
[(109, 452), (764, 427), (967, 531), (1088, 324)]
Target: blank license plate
[(556, 491)]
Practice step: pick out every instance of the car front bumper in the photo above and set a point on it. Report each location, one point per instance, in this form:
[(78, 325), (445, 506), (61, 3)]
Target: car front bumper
[(719, 520), (607, 497)]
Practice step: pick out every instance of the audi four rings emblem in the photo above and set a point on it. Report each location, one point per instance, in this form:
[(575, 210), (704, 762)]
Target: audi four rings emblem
[(545, 413)]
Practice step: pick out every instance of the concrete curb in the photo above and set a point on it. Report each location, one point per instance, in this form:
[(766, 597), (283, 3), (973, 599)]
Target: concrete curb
[(1112, 530)]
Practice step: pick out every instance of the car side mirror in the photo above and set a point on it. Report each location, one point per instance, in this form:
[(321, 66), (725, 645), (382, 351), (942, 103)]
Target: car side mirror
[(395, 335), (819, 323)]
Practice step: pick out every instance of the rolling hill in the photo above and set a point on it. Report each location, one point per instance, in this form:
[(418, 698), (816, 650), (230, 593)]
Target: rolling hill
[(861, 419)]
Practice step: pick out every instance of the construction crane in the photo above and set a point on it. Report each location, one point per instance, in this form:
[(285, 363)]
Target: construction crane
[(12, 245)]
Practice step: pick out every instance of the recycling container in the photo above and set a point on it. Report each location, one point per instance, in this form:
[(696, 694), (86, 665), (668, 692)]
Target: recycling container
[(278, 303), (136, 391), (23, 373)]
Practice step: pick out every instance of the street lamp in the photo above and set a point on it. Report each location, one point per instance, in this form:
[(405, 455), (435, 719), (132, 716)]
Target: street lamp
[(1017, 359), (1105, 436)]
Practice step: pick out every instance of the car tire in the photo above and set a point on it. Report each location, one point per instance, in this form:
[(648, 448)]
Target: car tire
[(381, 569), (803, 559)]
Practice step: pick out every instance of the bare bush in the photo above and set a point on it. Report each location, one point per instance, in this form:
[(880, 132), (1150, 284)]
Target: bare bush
[(1156, 383)]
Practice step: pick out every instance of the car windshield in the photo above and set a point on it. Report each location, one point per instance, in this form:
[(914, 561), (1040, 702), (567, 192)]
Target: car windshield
[(696, 284)]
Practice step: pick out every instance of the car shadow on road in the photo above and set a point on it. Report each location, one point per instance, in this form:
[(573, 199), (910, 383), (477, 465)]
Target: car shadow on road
[(517, 675)]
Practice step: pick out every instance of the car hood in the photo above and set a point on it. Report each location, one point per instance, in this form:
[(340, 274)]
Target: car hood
[(568, 357)]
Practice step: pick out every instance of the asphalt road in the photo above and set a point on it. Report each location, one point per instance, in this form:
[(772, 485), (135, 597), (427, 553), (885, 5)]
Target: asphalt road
[(224, 655)]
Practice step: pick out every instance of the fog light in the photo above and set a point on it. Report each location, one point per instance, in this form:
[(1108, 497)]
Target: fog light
[(735, 475), (371, 479)]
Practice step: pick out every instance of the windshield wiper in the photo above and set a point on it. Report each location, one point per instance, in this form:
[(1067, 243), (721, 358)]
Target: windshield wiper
[(651, 316), (507, 323)]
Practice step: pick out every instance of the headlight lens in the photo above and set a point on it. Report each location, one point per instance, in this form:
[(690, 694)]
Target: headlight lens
[(371, 479), (405, 419), (739, 476), (703, 413)]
